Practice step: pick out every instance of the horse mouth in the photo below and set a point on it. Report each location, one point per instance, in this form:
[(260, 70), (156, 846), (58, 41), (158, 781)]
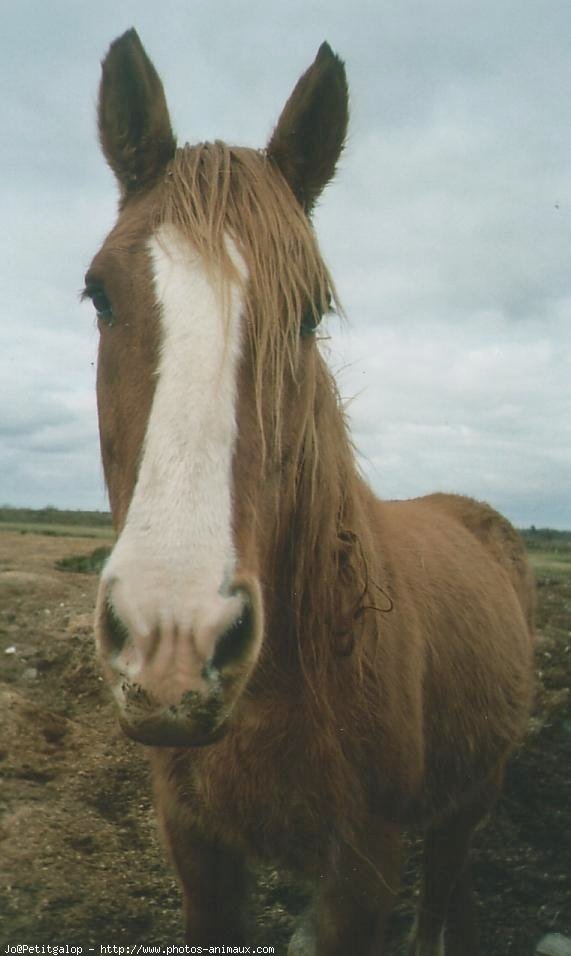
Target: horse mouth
[(197, 720)]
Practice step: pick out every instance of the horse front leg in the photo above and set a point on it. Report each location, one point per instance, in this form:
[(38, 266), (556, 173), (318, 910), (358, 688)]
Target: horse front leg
[(353, 898), (446, 869), (213, 881), (446, 921)]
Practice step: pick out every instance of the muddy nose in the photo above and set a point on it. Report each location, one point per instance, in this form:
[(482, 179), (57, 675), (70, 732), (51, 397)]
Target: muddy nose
[(210, 647), (176, 674)]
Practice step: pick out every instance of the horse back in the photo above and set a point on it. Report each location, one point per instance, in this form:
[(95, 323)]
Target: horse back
[(500, 539)]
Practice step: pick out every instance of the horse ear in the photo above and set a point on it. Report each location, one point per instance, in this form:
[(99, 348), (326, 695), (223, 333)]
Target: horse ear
[(134, 124), (310, 134)]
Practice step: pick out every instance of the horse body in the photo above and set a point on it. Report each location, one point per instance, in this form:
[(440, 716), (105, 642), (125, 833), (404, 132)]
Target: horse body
[(313, 668)]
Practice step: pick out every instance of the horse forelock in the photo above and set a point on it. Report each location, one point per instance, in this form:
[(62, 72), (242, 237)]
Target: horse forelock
[(214, 192)]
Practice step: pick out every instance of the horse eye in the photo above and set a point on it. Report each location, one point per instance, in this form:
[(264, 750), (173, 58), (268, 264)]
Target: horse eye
[(313, 316), (309, 322), (101, 304)]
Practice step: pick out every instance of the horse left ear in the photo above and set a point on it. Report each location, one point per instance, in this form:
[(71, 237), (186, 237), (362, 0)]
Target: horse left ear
[(310, 134), (134, 123)]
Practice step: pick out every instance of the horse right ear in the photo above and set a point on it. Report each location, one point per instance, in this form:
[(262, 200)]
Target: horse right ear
[(310, 134), (134, 124)]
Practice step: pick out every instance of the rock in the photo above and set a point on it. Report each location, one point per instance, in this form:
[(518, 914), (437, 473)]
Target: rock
[(554, 944)]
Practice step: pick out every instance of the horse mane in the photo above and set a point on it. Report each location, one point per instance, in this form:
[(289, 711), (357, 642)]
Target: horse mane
[(213, 191)]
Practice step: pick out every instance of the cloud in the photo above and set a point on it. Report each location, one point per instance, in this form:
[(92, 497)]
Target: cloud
[(473, 408), (447, 228)]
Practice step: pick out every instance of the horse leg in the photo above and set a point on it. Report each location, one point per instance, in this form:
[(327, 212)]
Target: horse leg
[(354, 899), (462, 918), (213, 881), (446, 898)]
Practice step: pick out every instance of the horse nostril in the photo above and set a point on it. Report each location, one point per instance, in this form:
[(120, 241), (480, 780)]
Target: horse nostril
[(233, 643), (115, 634)]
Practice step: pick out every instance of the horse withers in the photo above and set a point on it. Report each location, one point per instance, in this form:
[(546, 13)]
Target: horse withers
[(313, 669)]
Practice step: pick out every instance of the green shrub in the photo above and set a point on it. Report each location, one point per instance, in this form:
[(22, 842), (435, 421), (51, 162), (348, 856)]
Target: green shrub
[(85, 563)]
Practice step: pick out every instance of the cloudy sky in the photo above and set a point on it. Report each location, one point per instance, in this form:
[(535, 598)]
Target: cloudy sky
[(448, 228)]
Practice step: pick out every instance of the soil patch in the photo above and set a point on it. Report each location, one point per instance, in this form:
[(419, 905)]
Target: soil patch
[(81, 862)]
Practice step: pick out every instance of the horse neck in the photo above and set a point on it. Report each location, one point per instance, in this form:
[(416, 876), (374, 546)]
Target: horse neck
[(321, 550)]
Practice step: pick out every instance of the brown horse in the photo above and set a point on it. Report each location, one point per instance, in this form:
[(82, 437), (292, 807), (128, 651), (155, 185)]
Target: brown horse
[(314, 669)]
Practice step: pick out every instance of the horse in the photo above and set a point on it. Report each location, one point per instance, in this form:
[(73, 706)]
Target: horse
[(312, 669)]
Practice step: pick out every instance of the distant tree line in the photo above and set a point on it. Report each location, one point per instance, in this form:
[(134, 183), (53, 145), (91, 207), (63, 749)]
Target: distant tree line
[(533, 537), (51, 515), (546, 538)]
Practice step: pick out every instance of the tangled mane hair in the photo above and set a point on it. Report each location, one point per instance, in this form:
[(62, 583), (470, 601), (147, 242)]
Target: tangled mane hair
[(214, 191)]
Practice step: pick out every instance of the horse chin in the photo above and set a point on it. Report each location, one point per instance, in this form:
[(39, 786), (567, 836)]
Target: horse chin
[(162, 730), (195, 721), (167, 733)]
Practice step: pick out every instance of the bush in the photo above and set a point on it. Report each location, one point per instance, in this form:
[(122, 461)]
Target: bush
[(85, 563)]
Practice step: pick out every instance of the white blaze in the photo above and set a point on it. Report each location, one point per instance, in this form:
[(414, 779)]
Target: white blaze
[(175, 554)]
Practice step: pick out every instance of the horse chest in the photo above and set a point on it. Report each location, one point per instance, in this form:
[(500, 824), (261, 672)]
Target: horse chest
[(269, 805)]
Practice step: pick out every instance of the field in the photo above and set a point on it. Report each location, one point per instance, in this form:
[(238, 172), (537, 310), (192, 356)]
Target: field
[(550, 551), (80, 861)]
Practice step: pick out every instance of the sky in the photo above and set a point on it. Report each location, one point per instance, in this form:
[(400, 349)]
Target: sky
[(447, 228)]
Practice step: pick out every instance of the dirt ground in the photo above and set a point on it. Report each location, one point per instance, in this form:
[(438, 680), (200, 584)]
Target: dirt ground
[(80, 862)]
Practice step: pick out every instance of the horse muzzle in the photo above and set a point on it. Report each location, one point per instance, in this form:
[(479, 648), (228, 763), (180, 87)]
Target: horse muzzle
[(176, 683)]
